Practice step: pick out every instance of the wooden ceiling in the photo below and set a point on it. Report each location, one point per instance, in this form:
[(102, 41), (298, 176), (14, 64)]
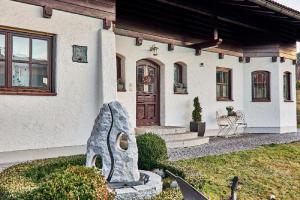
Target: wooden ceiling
[(240, 22)]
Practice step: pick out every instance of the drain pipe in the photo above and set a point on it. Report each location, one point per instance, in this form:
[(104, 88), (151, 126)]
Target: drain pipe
[(274, 7)]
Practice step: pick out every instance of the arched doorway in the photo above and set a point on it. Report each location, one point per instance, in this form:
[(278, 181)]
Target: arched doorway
[(147, 93)]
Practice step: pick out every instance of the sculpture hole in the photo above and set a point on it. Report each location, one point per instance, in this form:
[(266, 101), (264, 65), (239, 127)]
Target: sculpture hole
[(122, 141), (97, 161)]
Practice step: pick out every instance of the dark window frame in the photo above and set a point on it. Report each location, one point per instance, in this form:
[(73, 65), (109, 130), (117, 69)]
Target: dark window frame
[(287, 98), (8, 88), (229, 85), (268, 86)]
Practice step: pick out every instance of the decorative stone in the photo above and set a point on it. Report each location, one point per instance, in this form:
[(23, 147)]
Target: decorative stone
[(159, 172), (141, 192), (174, 185), (113, 139)]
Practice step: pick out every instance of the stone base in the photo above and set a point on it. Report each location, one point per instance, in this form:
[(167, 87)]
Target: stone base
[(140, 192)]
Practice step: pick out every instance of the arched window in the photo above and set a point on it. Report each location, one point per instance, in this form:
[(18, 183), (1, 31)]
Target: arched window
[(287, 86), (180, 78), (261, 86), (120, 60)]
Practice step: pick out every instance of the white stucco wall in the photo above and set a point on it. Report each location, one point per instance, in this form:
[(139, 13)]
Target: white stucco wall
[(32, 122), (288, 111), (275, 116), (176, 109)]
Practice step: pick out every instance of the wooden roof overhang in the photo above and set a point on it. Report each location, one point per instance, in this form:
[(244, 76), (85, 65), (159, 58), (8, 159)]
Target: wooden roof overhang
[(239, 23)]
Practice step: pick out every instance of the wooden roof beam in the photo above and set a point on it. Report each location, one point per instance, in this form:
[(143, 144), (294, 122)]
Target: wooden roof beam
[(199, 11)]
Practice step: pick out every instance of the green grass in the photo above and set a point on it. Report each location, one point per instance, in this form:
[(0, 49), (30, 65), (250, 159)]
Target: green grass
[(273, 169)]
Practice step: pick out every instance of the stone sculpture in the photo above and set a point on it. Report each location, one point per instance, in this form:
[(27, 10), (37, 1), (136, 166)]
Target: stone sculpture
[(113, 139)]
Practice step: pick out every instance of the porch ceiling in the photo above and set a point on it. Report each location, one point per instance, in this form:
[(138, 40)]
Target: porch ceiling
[(241, 22)]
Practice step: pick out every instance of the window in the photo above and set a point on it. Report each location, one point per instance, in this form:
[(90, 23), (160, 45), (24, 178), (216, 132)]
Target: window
[(25, 63), (120, 73), (261, 86), (287, 86), (223, 77), (180, 78)]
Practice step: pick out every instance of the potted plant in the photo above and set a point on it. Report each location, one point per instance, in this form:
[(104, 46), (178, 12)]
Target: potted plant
[(230, 111), (197, 125)]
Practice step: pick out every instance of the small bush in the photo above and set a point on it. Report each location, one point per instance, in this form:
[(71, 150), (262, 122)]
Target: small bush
[(73, 183), (152, 149), (26, 181)]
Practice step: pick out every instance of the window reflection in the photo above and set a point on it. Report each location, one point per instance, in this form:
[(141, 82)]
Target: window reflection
[(20, 48), (2, 73), (39, 75), (2, 46), (39, 50), (20, 74)]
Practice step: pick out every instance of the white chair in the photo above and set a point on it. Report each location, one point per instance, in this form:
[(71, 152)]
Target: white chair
[(241, 121), (222, 124)]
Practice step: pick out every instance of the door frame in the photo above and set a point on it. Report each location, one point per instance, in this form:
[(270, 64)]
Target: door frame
[(157, 66)]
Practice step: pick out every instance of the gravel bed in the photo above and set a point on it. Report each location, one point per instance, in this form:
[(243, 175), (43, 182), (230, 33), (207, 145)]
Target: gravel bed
[(218, 146)]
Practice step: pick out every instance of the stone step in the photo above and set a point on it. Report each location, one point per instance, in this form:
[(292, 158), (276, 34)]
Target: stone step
[(160, 130), (187, 143), (179, 136)]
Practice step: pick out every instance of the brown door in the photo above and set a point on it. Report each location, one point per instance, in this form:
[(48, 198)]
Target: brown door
[(147, 94)]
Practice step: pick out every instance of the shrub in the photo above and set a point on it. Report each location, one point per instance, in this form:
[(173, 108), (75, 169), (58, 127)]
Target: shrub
[(20, 181), (75, 182), (152, 149), (197, 117)]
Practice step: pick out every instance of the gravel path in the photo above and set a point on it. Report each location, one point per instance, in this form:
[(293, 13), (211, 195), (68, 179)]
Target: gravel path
[(218, 146)]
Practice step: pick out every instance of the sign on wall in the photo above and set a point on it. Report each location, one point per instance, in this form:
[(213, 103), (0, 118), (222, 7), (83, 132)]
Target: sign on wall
[(79, 54)]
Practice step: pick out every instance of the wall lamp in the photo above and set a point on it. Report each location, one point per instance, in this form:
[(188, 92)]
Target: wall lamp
[(154, 50)]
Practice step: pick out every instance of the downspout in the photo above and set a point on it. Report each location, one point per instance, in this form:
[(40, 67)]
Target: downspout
[(272, 6)]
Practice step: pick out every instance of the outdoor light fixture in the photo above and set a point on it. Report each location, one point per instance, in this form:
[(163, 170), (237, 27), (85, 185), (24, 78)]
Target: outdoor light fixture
[(201, 64), (154, 49)]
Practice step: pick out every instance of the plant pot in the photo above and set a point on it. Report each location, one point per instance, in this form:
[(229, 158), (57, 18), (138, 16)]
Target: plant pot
[(198, 127), (194, 126), (201, 128)]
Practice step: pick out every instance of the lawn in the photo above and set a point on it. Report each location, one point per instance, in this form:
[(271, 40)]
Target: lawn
[(273, 169)]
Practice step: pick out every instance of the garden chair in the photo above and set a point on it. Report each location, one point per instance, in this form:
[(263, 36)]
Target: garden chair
[(222, 124), (241, 121)]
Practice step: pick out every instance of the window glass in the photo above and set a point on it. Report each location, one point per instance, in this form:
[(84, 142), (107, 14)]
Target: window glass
[(2, 46), (286, 86), (2, 73), (20, 48), (39, 75), (260, 84), (223, 88), (20, 74), (2, 60), (39, 50)]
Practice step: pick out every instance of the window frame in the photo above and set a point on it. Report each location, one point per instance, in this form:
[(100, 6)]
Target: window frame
[(8, 88), (289, 98), (229, 85), (268, 85), (120, 70)]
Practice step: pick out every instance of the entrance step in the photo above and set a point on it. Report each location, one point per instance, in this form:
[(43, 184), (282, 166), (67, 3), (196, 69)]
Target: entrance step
[(175, 137), (160, 130), (179, 136), (187, 143)]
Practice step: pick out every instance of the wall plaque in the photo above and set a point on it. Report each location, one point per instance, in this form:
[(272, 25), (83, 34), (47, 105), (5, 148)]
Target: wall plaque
[(79, 54)]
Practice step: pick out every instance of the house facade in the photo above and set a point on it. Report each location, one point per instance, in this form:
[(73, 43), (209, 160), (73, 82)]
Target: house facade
[(61, 60)]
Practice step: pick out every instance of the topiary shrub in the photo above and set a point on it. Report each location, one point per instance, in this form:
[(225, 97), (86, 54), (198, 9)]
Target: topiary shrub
[(73, 183), (196, 115), (152, 149)]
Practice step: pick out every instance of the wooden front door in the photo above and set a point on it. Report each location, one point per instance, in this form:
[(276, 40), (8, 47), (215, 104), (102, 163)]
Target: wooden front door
[(147, 94)]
